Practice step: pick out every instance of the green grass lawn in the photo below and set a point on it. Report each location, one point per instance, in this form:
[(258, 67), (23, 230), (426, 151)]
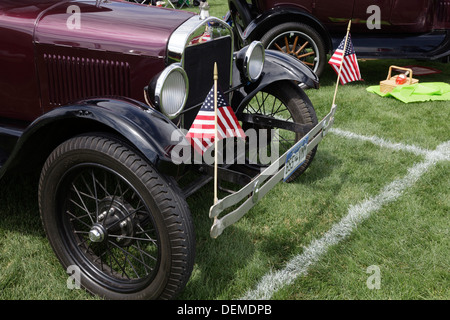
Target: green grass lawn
[(407, 238)]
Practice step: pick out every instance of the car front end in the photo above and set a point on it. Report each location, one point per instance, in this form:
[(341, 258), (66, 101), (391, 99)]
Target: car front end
[(180, 89)]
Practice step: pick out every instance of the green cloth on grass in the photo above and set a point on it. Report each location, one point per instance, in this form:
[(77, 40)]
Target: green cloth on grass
[(419, 92)]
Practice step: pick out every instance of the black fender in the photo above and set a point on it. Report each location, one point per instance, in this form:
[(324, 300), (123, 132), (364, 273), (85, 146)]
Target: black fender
[(141, 127), (275, 16), (277, 67)]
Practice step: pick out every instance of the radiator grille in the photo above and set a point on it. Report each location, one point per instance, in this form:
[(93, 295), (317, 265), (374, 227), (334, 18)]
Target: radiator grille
[(72, 78), (199, 65)]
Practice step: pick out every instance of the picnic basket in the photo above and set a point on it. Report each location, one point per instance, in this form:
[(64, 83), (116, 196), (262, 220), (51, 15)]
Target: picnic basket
[(389, 84)]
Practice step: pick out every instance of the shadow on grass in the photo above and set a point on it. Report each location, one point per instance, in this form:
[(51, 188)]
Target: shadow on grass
[(19, 210)]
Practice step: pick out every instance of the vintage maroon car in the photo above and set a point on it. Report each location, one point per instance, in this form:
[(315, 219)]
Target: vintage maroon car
[(309, 29), (95, 97)]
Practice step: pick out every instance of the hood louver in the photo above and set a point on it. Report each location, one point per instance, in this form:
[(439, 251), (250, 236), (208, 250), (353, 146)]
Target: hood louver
[(73, 78)]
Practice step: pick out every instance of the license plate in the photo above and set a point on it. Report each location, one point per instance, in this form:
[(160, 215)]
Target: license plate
[(295, 157)]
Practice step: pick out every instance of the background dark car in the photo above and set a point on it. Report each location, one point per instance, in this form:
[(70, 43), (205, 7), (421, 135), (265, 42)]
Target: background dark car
[(309, 29)]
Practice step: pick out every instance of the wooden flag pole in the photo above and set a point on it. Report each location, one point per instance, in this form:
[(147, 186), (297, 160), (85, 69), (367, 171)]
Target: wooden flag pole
[(216, 76), (342, 62)]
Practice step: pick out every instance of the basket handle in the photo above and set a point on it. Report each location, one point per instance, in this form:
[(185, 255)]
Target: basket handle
[(400, 68)]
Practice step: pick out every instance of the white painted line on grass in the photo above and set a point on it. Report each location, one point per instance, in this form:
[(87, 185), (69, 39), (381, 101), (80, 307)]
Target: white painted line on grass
[(298, 266), (380, 142)]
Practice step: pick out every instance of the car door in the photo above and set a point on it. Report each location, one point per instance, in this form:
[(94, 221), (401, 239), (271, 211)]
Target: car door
[(372, 16), (334, 14), (412, 16), (19, 94)]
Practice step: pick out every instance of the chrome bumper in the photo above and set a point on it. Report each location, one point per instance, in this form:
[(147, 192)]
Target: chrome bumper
[(265, 181)]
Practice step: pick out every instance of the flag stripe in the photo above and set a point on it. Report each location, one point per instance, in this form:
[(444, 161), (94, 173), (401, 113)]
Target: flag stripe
[(202, 131), (350, 69), (238, 130), (227, 120)]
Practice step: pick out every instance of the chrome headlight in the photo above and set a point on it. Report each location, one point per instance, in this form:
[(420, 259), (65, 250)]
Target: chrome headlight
[(171, 90), (251, 60)]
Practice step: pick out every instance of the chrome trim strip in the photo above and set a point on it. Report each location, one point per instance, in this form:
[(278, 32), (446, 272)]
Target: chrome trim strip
[(273, 174), (181, 37)]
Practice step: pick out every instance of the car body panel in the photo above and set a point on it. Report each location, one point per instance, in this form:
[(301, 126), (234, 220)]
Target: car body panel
[(69, 74), (418, 29), (134, 122), (396, 15), (20, 92), (146, 34), (48, 66), (57, 75), (38, 45)]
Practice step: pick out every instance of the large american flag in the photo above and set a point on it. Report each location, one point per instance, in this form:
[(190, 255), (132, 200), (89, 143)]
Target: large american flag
[(350, 69), (202, 132)]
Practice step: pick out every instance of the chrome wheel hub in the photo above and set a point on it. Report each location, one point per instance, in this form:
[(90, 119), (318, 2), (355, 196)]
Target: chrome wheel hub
[(97, 233), (114, 222)]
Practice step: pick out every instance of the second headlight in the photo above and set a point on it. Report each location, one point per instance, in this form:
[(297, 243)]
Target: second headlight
[(251, 60)]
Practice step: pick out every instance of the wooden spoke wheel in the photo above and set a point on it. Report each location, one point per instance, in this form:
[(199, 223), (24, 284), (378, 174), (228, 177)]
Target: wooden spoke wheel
[(300, 41)]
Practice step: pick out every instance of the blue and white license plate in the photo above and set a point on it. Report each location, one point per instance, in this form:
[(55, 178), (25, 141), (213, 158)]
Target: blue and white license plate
[(295, 157)]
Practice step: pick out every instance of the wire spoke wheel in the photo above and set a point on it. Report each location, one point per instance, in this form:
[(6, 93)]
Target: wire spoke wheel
[(109, 223), (271, 116), (268, 106), (110, 213)]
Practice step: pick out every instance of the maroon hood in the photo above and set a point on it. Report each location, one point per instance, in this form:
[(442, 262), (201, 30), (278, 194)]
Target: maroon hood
[(116, 26)]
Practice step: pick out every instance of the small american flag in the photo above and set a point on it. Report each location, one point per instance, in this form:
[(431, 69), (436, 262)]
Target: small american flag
[(350, 68), (202, 132)]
